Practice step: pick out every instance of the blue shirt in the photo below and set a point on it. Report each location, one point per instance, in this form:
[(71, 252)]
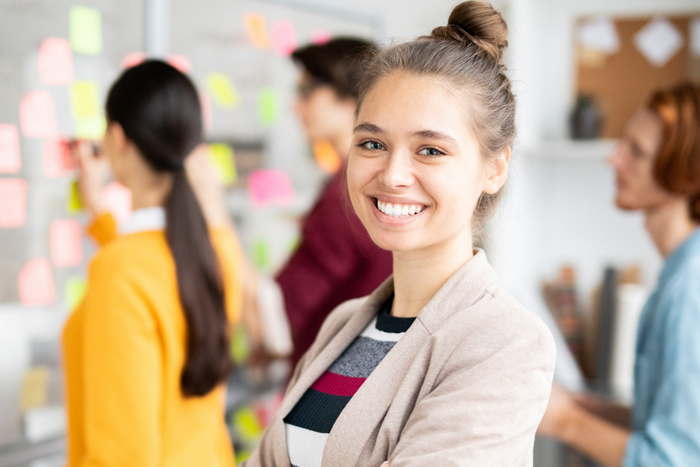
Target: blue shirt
[(666, 412)]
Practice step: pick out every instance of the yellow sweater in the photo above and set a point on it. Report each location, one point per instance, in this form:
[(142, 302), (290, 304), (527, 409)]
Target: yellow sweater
[(124, 350)]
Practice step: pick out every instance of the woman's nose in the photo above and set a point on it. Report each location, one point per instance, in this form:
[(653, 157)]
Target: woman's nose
[(398, 171)]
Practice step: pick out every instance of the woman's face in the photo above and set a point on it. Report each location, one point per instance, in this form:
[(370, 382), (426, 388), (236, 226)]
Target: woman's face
[(323, 114), (633, 161), (415, 172)]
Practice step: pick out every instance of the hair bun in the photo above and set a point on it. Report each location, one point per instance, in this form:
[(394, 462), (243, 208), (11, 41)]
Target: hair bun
[(478, 23)]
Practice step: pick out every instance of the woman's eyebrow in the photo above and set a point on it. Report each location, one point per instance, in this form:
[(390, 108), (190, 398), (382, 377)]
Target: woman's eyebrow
[(368, 127), (431, 134)]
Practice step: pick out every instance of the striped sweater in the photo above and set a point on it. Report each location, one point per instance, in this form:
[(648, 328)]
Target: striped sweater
[(310, 421)]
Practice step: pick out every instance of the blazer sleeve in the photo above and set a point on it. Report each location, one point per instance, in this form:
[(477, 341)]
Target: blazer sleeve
[(483, 413), (122, 372)]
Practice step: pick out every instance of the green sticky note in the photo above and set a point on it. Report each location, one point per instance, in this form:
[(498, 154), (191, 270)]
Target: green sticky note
[(268, 107), (222, 90), (75, 291), (240, 347), (90, 128), (261, 254), (247, 425), (242, 455), (85, 100), (85, 30), (74, 204), (221, 157)]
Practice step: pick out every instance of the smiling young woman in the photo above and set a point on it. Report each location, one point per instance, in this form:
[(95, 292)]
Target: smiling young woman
[(439, 365)]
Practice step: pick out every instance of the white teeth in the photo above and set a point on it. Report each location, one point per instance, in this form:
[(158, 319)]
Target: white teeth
[(398, 210)]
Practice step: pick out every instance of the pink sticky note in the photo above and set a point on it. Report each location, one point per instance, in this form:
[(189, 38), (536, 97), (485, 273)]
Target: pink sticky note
[(207, 113), (13, 204), (133, 59), (181, 62), (37, 115), (320, 37), (66, 246), (284, 37), (10, 160), (270, 186), (117, 200), (36, 285), (57, 158), (56, 62)]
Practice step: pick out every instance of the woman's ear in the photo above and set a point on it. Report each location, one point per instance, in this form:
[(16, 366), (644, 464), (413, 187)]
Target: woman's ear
[(498, 174)]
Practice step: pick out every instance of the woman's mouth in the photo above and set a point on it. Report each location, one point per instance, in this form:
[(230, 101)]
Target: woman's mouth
[(397, 210)]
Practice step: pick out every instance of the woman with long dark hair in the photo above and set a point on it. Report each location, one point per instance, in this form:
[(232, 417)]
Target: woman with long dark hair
[(147, 350)]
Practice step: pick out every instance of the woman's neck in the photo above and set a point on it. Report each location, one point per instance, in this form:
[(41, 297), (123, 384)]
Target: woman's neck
[(419, 274), (669, 225), (149, 189)]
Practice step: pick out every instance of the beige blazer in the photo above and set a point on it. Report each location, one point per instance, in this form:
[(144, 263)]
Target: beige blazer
[(466, 385)]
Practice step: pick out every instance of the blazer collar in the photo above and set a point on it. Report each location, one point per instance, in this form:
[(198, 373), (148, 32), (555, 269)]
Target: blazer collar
[(347, 437)]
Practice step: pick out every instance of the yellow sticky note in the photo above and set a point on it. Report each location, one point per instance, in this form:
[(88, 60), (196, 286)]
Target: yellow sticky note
[(34, 387), (85, 30), (240, 347), (256, 28), (326, 157), (221, 157), (261, 254), (222, 90), (85, 100), (247, 425), (75, 291), (74, 204), (90, 128), (268, 107)]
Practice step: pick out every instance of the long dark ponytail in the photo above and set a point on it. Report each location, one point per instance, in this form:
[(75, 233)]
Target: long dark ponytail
[(159, 110)]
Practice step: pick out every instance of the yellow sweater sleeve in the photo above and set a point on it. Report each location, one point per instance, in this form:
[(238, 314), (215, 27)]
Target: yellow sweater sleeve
[(122, 372), (103, 228)]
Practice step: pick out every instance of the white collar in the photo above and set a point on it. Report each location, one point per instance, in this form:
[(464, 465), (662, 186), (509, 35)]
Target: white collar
[(143, 220)]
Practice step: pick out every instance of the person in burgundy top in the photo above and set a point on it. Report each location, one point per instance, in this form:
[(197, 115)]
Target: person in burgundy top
[(336, 259)]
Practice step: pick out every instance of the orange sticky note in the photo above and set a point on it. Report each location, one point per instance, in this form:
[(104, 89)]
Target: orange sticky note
[(326, 157), (270, 186), (36, 286), (56, 62), (117, 200), (256, 28), (57, 158), (320, 37), (133, 59), (66, 246), (181, 62), (284, 38), (37, 115), (10, 159), (13, 207)]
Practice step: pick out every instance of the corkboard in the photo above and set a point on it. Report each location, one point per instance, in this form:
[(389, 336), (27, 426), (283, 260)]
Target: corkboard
[(623, 81)]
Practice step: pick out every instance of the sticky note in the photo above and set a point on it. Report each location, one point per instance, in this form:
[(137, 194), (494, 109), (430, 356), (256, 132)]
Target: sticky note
[(85, 100), (240, 347), (90, 128), (261, 254), (37, 115), (247, 424), (35, 387), (599, 34), (268, 186), (221, 157), (73, 202), (284, 38), (56, 62), (117, 199), (268, 106), (75, 291), (57, 158), (222, 90), (36, 286), (13, 208), (132, 59), (326, 157), (207, 112), (10, 159), (320, 37), (85, 30), (658, 41), (65, 239), (256, 29), (181, 62)]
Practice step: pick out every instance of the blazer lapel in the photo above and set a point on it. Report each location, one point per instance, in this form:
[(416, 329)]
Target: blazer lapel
[(368, 406)]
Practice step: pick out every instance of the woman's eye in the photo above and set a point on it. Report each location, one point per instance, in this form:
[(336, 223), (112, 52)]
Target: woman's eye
[(431, 152), (372, 145)]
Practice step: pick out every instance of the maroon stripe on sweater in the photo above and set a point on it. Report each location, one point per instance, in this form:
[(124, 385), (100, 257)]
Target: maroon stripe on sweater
[(338, 385)]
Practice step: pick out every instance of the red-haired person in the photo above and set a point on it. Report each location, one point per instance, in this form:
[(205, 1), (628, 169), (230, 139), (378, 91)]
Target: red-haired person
[(658, 172)]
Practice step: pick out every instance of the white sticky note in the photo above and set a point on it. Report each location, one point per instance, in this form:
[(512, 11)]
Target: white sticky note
[(599, 34), (695, 37), (658, 41)]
